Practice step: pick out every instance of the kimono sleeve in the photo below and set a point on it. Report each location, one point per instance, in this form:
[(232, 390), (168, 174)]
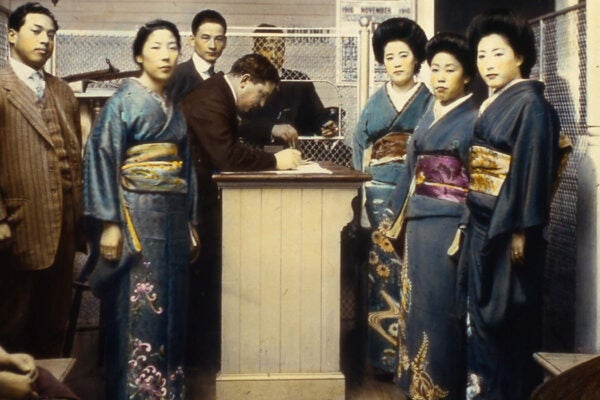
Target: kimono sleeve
[(525, 199), (102, 160), (359, 140), (401, 192)]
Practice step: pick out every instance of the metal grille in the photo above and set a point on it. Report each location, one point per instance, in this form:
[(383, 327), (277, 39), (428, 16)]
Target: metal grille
[(318, 54), (562, 66), (4, 46)]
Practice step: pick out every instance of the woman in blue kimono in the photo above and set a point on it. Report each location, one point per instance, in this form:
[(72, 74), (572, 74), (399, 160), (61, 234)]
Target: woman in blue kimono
[(514, 161), (139, 200), (379, 148), (430, 201)]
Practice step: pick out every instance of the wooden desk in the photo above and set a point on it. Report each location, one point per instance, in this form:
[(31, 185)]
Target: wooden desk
[(281, 283), (555, 363), (58, 367)]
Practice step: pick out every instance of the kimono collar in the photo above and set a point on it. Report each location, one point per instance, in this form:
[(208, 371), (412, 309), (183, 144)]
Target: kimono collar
[(399, 99), (486, 103), (440, 110)]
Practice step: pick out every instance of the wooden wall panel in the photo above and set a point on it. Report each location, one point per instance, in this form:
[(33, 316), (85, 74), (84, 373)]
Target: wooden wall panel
[(291, 274), (310, 359), (250, 306), (271, 233), (231, 285), (127, 15)]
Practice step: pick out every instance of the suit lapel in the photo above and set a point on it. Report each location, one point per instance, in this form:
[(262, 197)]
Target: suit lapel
[(21, 97)]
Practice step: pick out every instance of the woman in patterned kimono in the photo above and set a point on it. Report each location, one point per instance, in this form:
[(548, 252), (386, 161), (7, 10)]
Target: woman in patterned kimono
[(139, 200), (431, 354), (379, 148), (514, 161)]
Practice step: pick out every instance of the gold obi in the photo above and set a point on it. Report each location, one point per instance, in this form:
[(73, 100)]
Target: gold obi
[(488, 170), (153, 167), (391, 147)]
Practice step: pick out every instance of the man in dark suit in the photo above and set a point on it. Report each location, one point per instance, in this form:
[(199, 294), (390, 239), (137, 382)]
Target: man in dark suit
[(211, 111), (294, 108), (40, 189), (209, 40)]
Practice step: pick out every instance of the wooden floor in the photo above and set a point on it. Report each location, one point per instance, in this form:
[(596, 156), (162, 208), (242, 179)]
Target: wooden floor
[(85, 379), (368, 389)]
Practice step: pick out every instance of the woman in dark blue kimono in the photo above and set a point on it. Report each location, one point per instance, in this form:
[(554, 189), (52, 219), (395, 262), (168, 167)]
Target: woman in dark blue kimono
[(379, 148), (513, 167), (430, 201), (139, 200)]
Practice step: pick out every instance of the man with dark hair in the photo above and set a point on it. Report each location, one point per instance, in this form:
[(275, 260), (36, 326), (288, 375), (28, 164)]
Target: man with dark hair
[(40, 189), (209, 40), (211, 111), (294, 108)]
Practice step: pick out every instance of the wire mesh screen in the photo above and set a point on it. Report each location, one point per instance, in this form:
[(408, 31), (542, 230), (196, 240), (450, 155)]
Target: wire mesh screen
[(315, 54), (562, 66), (4, 46)]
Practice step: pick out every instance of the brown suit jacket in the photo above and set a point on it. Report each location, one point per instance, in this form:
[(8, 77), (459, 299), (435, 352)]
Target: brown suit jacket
[(31, 195), (211, 115)]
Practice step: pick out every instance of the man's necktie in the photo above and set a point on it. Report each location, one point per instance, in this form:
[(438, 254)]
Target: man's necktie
[(38, 84), (211, 70)]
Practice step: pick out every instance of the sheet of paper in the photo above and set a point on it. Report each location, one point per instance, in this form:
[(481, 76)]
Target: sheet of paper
[(306, 167)]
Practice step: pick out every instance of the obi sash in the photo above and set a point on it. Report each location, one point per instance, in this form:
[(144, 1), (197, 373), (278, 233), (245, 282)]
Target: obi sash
[(153, 167), (488, 170), (441, 177), (391, 147)]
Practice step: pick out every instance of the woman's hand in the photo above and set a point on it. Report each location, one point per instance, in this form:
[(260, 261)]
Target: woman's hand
[(111, 242), (517, 248)]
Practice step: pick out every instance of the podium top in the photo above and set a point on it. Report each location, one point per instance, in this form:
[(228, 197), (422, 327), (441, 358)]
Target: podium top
[(339, 176)]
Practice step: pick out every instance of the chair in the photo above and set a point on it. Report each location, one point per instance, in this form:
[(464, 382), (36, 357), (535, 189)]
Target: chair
[(86, 310)]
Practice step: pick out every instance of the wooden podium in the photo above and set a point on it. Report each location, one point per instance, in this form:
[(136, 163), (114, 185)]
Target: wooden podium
[(281, 283)]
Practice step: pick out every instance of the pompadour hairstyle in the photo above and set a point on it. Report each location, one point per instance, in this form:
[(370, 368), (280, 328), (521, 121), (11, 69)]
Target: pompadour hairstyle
[(454, 44), (512, 27), (403, 29)]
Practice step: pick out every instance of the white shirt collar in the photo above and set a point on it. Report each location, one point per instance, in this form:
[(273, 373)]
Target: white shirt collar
[(23, 71), (201, 65), (232, 89)]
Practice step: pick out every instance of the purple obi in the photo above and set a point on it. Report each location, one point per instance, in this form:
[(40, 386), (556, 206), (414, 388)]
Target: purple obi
[(441, 177)]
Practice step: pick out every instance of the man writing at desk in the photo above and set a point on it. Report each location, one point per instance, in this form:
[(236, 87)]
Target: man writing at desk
[(211, 111), (294, 108)]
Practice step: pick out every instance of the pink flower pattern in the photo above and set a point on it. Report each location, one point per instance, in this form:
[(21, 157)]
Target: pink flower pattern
[(144, 293)]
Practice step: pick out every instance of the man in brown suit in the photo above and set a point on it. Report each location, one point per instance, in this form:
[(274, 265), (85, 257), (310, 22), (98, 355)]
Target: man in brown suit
[(40, 189)]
